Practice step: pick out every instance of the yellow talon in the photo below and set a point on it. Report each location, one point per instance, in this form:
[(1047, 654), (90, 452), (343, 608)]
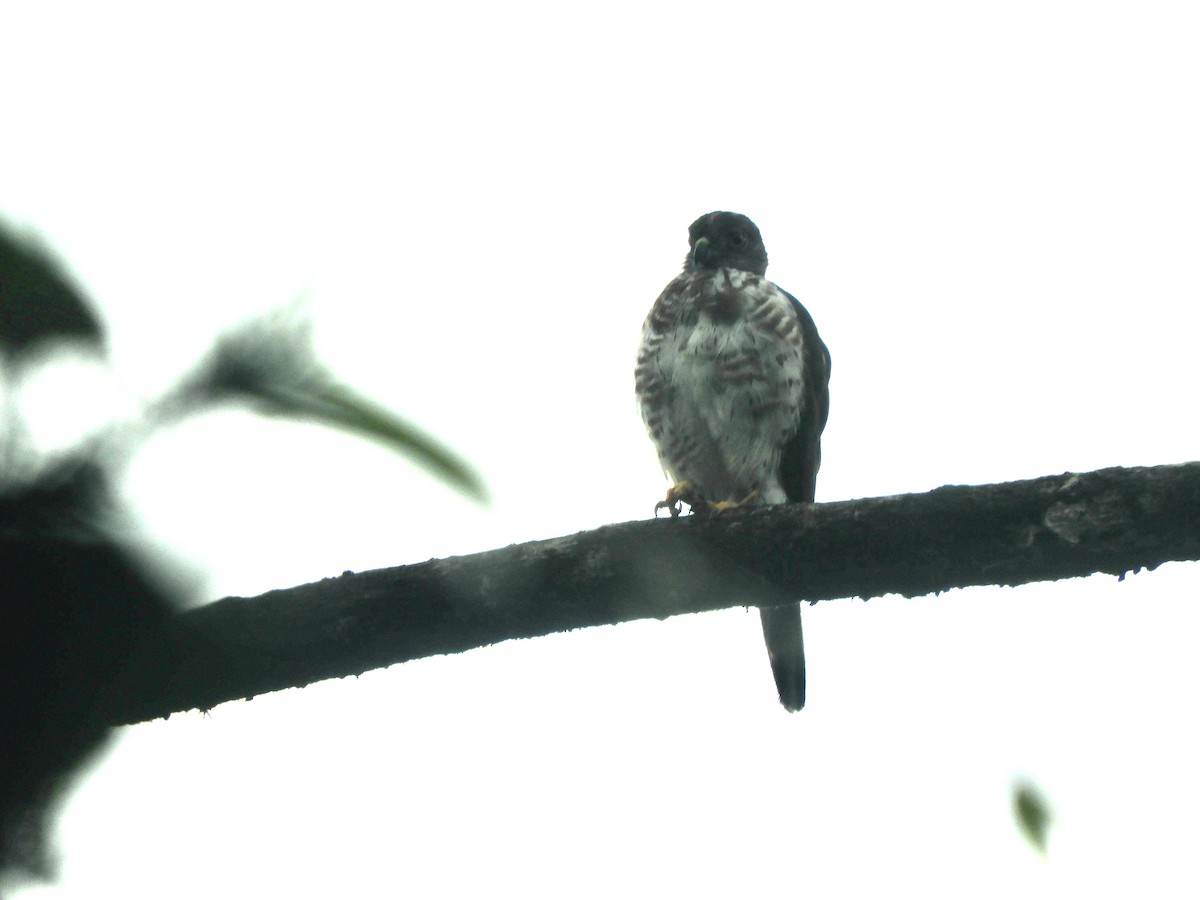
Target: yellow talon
[(677, 494), (683, 492), (732, 504)]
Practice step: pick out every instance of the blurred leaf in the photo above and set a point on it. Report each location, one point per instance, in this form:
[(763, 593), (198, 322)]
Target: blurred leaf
[(343, 408), (1033, 814), (37, 303), (68, 497), (270, 365), (76, 604)]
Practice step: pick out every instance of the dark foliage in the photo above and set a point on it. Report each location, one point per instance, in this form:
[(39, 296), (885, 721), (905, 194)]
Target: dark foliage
[(73, 602), (73, 607), (37, 303), (77, 608)]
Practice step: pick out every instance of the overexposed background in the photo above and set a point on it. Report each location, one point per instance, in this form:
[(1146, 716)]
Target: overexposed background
[(991, 212)]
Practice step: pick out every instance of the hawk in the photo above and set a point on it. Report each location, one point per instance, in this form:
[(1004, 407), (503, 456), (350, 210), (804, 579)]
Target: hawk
[(732, 381)]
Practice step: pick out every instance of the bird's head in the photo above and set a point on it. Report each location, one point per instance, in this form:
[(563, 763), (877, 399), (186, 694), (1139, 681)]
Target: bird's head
[(725, 240)]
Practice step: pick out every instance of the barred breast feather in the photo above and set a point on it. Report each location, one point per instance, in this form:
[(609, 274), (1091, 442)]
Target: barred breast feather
[(720, 382)]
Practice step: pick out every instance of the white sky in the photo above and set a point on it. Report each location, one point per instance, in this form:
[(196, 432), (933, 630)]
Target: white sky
[(990, 210)]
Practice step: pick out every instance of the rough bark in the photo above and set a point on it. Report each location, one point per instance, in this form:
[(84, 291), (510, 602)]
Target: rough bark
[(1060, 526)]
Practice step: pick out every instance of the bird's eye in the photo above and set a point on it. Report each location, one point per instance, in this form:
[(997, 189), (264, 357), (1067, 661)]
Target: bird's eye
[(736, 240)]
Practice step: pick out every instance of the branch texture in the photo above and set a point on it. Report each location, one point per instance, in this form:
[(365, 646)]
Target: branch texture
[(1060, 526)]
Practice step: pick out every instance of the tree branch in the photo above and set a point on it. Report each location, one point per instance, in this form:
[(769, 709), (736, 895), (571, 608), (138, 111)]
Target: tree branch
[(1060, 526)]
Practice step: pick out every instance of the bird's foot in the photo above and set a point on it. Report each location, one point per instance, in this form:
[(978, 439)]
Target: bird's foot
[(678, 494), (723, 505)]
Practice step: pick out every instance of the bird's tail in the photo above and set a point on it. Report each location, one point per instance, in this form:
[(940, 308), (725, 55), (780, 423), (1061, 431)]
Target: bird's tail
[(785, 645)]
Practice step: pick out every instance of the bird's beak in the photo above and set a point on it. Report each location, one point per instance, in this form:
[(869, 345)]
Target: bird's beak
[(700, 251)]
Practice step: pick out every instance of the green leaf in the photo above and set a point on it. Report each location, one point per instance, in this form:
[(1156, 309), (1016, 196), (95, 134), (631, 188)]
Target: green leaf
[(38, 303), (1032, 814), (338, 406), (269, 364)]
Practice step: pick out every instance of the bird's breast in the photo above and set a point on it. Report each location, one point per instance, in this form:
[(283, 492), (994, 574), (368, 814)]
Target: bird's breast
[(720, 381), (721, 299)]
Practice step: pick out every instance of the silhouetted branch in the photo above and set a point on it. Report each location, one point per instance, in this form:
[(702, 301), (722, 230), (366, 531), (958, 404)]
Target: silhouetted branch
[(1060, 526)]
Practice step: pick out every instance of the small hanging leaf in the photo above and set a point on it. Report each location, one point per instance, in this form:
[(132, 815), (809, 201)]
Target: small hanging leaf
[(343, 408), (37, 302), (269, 364), (1033, 814)]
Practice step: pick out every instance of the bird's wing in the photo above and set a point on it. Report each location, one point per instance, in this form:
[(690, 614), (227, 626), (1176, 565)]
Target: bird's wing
[(802, 452)]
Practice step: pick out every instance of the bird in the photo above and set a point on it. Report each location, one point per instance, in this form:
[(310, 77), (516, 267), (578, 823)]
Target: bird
[(732, 382)]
